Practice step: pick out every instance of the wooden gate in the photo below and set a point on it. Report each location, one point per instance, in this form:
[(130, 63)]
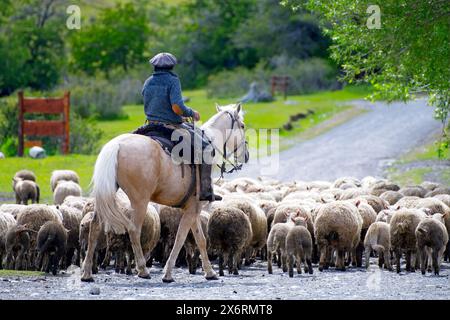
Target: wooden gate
[(54, 128), (281, 83)]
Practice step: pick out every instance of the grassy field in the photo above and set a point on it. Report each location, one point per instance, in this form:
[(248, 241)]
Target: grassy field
[(421, 164), (258, 115)]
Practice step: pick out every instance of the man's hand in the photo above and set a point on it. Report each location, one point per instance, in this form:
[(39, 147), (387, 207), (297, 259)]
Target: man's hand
[(196, 115)]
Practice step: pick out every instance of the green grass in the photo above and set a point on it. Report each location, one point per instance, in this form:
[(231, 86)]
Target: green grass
[(17, 273), (258, 115), (409, 177)]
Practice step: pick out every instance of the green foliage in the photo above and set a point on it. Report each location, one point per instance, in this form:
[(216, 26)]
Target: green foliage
[(117, 39), (408, 54), (31, 46), (306, 76), (85, 136), (8, 127)]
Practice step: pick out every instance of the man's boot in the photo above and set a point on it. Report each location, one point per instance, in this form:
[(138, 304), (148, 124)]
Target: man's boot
[(206, 188)]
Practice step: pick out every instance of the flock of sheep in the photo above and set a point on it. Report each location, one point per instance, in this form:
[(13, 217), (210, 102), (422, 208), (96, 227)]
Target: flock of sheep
[(295, 224)]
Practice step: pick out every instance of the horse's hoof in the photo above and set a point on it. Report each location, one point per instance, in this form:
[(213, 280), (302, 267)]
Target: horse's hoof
[(168, 280), (144, 276), (87, 279), (214, 277)]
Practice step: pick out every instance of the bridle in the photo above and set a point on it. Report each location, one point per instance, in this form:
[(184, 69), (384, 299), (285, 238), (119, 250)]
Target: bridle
[(235, 166)]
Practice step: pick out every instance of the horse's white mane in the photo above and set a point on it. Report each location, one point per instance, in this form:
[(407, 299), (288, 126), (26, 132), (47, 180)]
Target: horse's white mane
[(230, 108)]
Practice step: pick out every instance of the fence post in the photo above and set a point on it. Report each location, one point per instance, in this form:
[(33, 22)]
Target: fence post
[(20, 106), (66, 143)]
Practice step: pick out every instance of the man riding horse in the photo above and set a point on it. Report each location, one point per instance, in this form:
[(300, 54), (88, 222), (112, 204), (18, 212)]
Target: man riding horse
[(164, 108)]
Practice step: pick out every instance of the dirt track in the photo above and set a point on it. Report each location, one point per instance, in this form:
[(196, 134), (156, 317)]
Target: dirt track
[(360, 147)]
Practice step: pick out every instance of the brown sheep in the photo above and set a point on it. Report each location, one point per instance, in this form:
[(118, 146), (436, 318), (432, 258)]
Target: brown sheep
[(375, 202), (17, 246), (7, 221), (382, 186), (229, 232), (403, 238), (71, 221), (25, 175), (51, 244), (432, 239), (276, 243), (26, 190)]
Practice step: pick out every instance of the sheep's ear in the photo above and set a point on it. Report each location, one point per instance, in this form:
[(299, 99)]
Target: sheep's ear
[(397, 208), (358, 203), (445, 215), (292, 219), (218, 107)]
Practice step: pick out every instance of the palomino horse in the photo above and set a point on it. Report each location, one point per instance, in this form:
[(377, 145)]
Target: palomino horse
[(146, 173)]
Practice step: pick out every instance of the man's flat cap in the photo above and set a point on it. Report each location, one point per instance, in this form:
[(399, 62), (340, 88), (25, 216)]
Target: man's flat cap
[(164, 60)]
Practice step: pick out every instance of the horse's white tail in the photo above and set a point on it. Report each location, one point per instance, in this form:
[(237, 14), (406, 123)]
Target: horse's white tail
[(105, 188)]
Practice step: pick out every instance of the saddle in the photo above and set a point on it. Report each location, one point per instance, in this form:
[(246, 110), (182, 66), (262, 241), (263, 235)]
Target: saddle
[(159, 133)]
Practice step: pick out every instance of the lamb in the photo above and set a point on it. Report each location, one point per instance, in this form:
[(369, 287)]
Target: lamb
[(26, 190), (67, 175), (100, 248), (229, 232), (7, 221), (415, 191), (368, 216), (391, 197), (403, 226), (71, 221), (299, 245), (337, 226), (276, 243), (17, 246), (65, 188), (258, 222), (432, 239), (25, 175), (51, 244), (439, 190), (378, 239)]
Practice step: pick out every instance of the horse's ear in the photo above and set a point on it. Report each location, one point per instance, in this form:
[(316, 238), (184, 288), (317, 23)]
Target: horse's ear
[(218, 107), (238, 107)]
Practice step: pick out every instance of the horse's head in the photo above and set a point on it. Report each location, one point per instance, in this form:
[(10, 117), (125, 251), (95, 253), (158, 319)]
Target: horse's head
[(227, 131)]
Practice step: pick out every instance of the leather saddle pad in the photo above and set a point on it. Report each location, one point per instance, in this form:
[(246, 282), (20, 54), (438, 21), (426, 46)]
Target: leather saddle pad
[(158, 133)]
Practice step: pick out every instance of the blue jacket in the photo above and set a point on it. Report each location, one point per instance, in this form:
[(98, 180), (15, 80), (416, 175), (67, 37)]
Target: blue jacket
[(162, 98)]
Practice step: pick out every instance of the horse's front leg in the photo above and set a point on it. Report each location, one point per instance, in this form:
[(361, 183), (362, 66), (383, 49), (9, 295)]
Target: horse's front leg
[(186, 222), (94, 233), (201, 243)]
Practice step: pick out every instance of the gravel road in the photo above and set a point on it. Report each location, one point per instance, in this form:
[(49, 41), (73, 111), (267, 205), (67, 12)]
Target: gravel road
[(252, 283), (359, 147)]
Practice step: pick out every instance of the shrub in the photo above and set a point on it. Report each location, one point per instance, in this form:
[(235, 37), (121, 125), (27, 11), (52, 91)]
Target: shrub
[(306, 76), (85, 136), (8, 127)]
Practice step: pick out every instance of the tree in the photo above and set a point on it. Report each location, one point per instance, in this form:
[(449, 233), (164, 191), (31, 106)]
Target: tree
[(117, 39), (274, 30), (31, 45), (406, 55)]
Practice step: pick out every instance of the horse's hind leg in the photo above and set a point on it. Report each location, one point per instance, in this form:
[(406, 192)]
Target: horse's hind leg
[(135, 238), (201, 243), (94, 233), (186, 223)]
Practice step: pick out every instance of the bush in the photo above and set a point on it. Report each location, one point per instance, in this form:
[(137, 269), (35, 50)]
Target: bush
[(85, 136), (306, 76), (8, 126)]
